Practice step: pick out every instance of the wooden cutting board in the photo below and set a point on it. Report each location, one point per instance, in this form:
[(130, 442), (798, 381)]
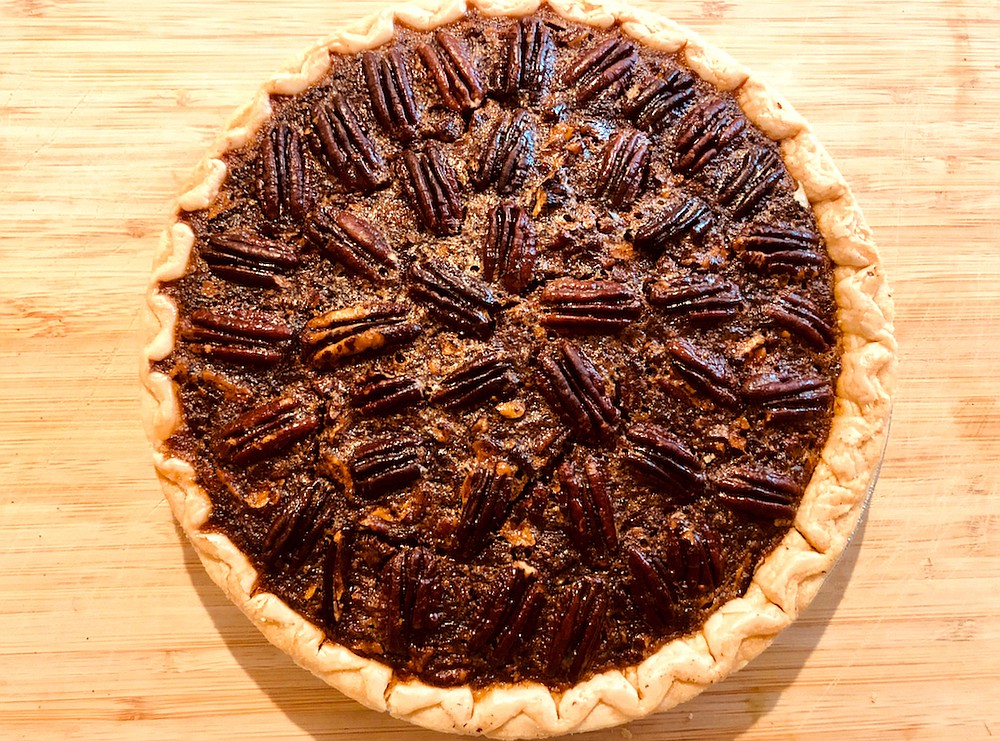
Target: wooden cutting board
[(109, 628)]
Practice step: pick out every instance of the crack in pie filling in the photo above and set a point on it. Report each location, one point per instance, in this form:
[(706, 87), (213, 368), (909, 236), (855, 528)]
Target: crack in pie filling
[(518, 372)]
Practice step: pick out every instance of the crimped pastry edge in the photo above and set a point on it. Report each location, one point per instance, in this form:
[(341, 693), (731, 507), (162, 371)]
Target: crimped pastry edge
[(783, 584)]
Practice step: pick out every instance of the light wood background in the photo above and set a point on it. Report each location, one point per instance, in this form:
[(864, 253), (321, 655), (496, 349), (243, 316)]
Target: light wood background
[(109, 628)]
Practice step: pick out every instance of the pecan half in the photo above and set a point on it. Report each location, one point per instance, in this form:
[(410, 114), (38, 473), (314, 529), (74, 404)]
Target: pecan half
[(700, 558), (530, 59), (572, 385), (381, 394), (661, 457), (605, 68), (454, 73), (765, 494), (345, 148), (803, 319), (412, 592), (392, 99), (509, 615), (445, 669), (344, 333), (266, 430), (662, 99), (787, 398), (245, 337), (295, 532), (245, 258), (434, 191), (677, 220), (352, 241), (588, 306), (283, 185), (706, 372), (784, 250), (684, 561), (461, 302), (509, 250), (756, 175), (623, 170), (508, 155), (700, 298), (475, 383), (385, 465), (651, 584), (704, 132), (576, 628), (486, 499), (583, 497), (336, 572)]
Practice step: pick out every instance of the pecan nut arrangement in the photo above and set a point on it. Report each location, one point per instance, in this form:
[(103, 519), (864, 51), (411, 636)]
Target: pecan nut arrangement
[(518, 369)]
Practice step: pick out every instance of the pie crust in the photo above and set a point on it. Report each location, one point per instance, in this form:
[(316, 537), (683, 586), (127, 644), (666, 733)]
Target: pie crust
[(782, 585)]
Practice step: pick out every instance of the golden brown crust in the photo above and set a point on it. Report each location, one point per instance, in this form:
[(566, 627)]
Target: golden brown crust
[(782, 586)]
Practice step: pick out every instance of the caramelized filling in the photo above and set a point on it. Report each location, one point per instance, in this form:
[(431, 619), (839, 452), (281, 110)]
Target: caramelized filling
[(505, 352)]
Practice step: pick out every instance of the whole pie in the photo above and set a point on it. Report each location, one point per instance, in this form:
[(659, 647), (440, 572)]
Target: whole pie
[(518, 370)]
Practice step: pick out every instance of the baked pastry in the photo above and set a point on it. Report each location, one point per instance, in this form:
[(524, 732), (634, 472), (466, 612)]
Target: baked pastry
[(518, 370)]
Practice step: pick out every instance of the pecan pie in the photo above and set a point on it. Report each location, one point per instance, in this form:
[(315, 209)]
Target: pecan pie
[(519, 370)]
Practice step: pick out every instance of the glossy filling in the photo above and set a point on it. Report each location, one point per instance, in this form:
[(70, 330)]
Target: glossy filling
[(505, 352)]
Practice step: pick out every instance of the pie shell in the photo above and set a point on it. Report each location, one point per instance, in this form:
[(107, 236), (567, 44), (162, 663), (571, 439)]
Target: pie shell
[(783, 584)]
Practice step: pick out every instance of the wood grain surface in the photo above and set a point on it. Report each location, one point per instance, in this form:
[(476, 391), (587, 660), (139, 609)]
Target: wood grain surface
[(108, 626)]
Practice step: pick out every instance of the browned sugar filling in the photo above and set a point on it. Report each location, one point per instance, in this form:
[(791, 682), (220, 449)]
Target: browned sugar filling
[(505, 351)]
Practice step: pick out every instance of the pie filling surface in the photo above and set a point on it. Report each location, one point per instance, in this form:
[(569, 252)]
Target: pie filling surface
[(505, 352)]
